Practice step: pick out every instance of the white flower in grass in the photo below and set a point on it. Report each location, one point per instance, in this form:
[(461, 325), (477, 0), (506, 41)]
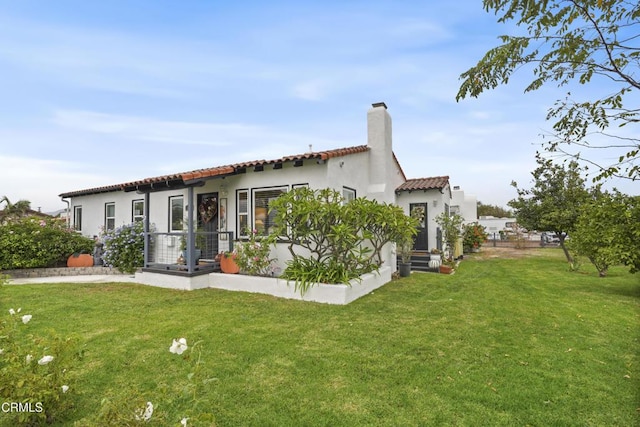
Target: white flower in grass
[(12, 311), (178, 347), (65, 388), (45, 360), (26, 318), (29, 358), (145, 415), (184, 422), (18, 310), (1, 350)]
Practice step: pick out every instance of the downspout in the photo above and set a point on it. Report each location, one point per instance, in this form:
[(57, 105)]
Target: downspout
[(68, 210)]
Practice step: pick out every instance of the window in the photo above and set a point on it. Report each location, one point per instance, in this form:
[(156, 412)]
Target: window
[(243, 213), (176, 209), (77, 218), (263, 220), (455, 210), (348, 194), (109, 216), (137, 210)]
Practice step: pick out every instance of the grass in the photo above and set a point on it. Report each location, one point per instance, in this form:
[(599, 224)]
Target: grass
[(515, 341)]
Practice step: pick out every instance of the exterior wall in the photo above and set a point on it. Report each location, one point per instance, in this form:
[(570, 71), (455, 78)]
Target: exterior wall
[(435, 201), (93, 210), (467, 203)]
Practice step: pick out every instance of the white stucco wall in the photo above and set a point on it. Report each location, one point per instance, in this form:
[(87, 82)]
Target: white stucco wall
[(435, 201), (467, 203)]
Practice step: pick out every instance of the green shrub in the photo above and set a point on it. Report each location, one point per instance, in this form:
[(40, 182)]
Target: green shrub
[(473, 236), (332, 241), (124, 247), (252, 256), (34, 243), (36, 372)]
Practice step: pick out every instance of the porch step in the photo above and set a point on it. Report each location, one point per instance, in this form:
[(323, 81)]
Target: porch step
[(419, 261)]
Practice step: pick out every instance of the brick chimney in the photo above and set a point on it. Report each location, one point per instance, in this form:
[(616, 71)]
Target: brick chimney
[(380, 153)]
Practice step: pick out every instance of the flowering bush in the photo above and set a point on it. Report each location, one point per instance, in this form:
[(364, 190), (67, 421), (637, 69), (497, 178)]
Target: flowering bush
[(35, 371), (473, 236), (34, 243), (124, 247), (252, 256)]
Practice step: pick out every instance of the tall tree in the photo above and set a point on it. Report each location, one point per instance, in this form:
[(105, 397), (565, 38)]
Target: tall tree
[(553, 203), (574, 40)]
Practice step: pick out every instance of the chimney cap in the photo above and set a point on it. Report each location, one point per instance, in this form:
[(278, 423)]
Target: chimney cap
[(379, 104)]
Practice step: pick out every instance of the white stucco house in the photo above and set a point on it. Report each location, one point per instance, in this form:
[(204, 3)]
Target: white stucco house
[(223, 201)]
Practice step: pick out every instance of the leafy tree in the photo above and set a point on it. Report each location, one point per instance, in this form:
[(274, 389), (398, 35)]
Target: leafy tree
[(554, 201), (607, 231), (493, 210), (572, 40)]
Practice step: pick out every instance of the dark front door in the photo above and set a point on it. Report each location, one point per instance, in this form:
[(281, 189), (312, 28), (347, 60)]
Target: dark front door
[(419, 211), (207, 223)]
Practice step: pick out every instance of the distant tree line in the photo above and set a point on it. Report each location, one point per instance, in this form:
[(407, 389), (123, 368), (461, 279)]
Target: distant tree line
[(493, 210)]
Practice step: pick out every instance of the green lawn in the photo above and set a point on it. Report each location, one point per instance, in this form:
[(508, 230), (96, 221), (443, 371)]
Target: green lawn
[(501, 342)]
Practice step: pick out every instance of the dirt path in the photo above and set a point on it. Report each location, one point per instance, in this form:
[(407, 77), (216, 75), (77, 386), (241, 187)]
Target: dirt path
[(488, 252)]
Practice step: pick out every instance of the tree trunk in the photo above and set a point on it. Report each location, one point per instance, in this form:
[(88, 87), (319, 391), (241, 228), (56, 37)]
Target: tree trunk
[(564, 248)]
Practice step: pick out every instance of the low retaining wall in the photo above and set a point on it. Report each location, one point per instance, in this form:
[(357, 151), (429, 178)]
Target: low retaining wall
[(27, 273), (324, 293)]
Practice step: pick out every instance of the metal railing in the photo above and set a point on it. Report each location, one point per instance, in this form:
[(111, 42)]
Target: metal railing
[(169, 252)]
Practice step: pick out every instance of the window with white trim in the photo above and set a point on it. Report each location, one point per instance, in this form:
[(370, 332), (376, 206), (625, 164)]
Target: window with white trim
[(137, 210), (77, 218), (243, 212), (263, 219), (109, 216), (176, 214)]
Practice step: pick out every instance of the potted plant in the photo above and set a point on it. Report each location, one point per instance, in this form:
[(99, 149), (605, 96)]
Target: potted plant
[(201, 242), (405, 250), (435, 259), (228, 263), (446, 269)]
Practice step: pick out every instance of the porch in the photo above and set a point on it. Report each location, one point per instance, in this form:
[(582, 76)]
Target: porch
[(171, 253)]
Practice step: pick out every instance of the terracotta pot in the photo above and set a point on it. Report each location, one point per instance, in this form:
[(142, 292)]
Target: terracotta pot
[(228, 265), (445, 269), (80, 260)]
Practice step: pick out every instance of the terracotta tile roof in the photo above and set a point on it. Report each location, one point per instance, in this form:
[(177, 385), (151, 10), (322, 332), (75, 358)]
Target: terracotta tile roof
[(180, 179), (431, 183)]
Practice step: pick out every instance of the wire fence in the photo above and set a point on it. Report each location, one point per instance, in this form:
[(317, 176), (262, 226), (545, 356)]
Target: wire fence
[(168, 251)]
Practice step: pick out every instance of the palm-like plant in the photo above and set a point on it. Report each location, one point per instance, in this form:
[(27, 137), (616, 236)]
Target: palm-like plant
[(14, 210)]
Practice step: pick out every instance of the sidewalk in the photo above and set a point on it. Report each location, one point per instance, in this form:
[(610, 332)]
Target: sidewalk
[(87, 278)]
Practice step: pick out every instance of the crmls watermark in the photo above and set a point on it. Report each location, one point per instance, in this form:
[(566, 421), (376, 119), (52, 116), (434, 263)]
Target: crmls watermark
[(12, 407)]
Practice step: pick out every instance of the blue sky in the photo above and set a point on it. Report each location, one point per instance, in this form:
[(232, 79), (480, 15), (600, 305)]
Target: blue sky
[(98, 93)]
